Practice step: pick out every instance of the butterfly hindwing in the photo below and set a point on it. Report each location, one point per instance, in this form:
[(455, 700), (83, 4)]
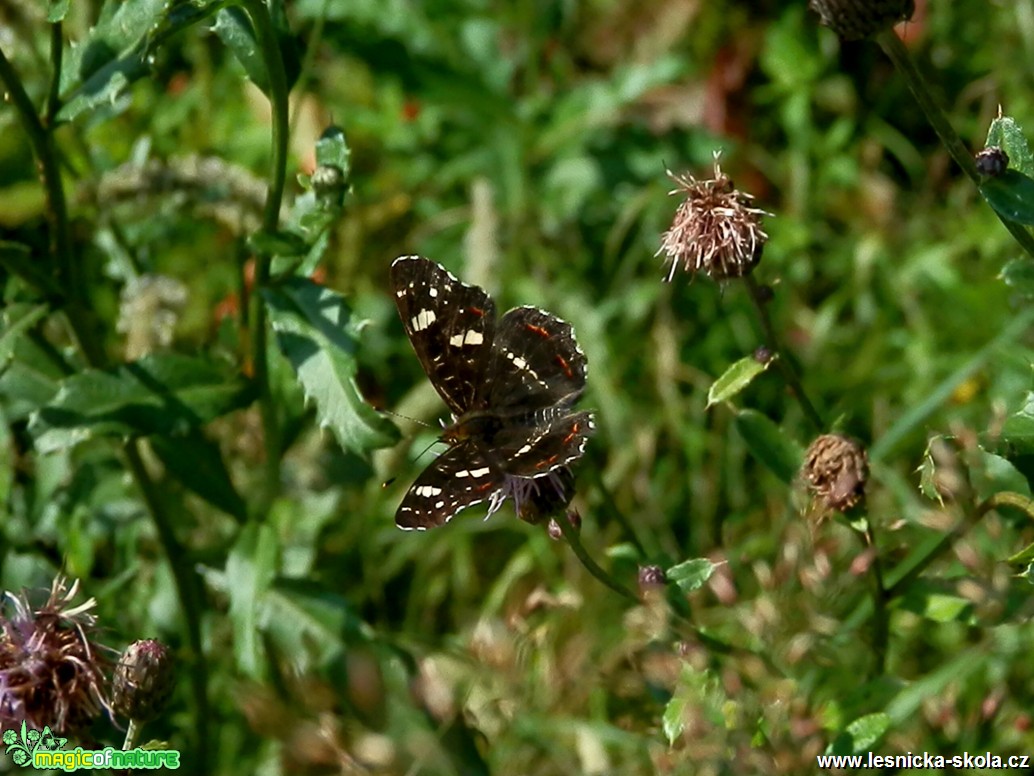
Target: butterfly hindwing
[(458, 478)]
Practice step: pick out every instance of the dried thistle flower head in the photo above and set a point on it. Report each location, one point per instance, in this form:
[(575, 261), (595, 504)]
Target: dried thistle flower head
[(836, 469), (143, 680), (51, 672), (857, 19), (715, 229), (149, 308)]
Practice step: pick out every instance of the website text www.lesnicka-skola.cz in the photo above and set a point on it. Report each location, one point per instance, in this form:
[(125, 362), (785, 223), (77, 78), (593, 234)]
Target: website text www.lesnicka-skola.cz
[(985, 761)]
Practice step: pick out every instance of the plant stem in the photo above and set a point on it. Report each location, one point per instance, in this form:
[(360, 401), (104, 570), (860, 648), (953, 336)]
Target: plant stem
[(571, 537), (61, 247), (132, 734), (785, 367), (898, 54), (919, 565), (270, 48), (187, 589), (881, 628)]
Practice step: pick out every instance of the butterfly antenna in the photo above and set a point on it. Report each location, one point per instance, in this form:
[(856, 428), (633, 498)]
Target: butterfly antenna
[(423, 452)]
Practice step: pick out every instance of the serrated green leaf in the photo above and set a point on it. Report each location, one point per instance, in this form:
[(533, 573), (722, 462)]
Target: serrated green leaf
[(737, 377), (197, 463), (692, 574), (861, 735), (1011, 194), (250, 569), (159, 394), (113, 55), (316, 334), (770, 445), (1005, 133), (1018, 274)]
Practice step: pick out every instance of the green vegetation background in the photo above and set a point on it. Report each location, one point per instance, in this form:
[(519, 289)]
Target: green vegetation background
[(524, 145)]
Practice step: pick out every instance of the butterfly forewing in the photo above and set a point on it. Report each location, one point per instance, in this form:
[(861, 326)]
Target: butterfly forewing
[(458, 478), (451, 326), (536, 362)]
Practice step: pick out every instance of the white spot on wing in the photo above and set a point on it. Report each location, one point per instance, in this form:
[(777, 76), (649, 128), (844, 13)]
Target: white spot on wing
[(479, 472), (432, 291), (423, 319), (427, 491), (470, 337)]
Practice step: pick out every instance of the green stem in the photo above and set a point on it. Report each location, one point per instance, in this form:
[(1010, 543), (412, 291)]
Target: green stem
[(57, 49), (61, 247), (571, 536), (789, 375), (132, 734), (187, 589), (898, 54), (270, 48), (916, 567), (881, 626)]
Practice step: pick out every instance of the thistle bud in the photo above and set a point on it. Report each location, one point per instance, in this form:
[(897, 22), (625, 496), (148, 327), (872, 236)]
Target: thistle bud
[(836, 469), (991, 161), (143, 680)]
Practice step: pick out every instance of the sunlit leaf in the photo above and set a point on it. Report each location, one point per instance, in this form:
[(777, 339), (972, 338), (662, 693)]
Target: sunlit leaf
[(861, 735), (316, 333), (737, 377), (1005, 133), (692, 574), (159, 394)]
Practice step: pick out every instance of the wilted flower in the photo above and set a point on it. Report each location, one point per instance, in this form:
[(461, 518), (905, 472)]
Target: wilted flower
[(51, 672), (836, 469), (143, 680), (539, 497), (715, 229), (149, 308), (857, 19), (574, 519)]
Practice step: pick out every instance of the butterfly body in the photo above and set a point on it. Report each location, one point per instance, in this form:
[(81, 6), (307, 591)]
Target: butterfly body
[(510, 382)]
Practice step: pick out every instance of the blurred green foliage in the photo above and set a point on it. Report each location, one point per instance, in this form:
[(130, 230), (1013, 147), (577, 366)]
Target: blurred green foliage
[(523, 145)]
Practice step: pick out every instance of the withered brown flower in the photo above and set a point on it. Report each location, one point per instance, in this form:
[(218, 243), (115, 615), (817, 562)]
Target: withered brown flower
[(836, 469), (715, 230)]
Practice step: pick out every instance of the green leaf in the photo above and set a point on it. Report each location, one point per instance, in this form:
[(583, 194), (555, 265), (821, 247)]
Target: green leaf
[(1011, 194), (1005, 133), (15, 320), (302, 617), (861, 735), (233, 27), (112, 56), (159, 394), (315, 332), (250, 569), (674, 718), (1018, 274), (737, 377), (197, 463), (690, 575), (18, 260), (770, 445), (936, 600), (57, 10), (281, 243)]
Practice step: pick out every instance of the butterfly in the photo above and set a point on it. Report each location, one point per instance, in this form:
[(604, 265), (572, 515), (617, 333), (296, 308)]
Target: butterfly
[(510, 382)]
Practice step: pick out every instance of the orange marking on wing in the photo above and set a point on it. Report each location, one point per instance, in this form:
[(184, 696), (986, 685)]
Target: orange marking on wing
[(572, 435), (476, 311), (548, 462), (537, 330), (482, 488), (565, 366)]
